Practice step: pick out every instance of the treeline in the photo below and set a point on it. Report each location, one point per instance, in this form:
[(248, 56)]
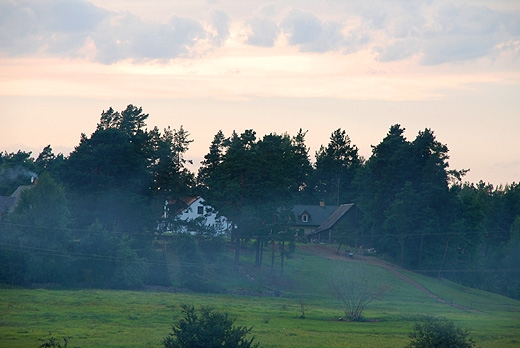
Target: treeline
[(91, 218)]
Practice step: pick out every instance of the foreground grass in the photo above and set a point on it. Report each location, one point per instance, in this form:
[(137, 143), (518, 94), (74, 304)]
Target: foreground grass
[(142, 319)]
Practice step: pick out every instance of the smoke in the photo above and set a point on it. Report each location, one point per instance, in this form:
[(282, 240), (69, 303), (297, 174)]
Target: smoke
[(10, 175)]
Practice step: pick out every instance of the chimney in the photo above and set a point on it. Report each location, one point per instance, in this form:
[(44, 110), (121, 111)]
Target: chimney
[(322, 203)]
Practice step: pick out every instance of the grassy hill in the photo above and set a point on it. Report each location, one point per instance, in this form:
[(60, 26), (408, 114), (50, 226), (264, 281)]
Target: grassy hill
[(264, 299)]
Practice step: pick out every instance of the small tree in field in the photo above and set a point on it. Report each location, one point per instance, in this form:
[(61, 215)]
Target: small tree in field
[(439, 333), (355, 286), (207, 329)]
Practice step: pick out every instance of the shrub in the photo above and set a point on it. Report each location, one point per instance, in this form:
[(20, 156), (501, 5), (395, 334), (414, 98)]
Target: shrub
[(439, 333), (53, 342), (355, 287), (207, 328)]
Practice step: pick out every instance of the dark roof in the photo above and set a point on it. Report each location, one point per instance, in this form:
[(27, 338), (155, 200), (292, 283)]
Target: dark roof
[(6, 202), (187, 201), (333, 218), (18, 192), (317, 214), (177, 206)]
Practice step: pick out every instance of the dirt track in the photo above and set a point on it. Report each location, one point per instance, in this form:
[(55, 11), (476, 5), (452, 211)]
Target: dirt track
[(329, 252)]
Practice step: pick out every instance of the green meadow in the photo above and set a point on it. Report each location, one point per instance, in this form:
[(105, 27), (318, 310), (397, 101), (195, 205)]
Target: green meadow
[(107, 318)]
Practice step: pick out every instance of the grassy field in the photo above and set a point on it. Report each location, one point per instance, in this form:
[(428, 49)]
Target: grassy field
[(96, 318)]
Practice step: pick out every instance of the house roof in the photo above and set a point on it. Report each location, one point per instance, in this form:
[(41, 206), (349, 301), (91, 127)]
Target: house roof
[(190, 200), (6, 202), (18, 192), (333, 218), (317, 214), (181, 204)]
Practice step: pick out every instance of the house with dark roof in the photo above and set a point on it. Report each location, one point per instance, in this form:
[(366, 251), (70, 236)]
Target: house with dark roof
[(345, 220), (308, 217), (320, 223), (9, 203)]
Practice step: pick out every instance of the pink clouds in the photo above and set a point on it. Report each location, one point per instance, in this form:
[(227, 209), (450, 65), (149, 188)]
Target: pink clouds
[(394, 30)]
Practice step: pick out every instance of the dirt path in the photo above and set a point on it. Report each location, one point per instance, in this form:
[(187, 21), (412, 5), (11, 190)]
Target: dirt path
[(329, 252)]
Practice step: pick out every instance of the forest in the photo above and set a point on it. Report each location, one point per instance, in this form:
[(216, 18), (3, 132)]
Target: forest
[(90, 221)]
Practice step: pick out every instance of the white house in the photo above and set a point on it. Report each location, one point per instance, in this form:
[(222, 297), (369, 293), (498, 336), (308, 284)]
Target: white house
[(194, 217)]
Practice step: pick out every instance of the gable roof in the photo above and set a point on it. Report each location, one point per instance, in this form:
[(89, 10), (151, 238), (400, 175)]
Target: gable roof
[(177, 206), (190, 200), (6, 202), (333, 218), (317, 214), (18, 192)]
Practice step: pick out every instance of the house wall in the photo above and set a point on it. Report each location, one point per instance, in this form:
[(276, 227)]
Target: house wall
[(220, 224), (306, 229)]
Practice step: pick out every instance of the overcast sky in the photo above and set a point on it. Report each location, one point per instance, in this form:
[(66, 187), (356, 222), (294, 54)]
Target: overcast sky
[(451, 66)]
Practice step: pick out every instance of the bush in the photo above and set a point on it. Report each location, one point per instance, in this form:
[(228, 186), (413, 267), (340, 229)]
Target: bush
[(53, 342), (355, 286), (210, 329), (439, 333)]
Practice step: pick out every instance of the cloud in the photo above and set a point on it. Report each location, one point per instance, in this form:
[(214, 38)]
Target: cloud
[(128, 37), (47, 26), (435, 31), (263, 32), (400, 49), (303, 28), (65, 27), (72, 16), (443, 34), (310, 34), (221, 23), (463, 33)]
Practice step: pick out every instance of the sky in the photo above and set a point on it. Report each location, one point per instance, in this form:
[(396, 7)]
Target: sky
[(275, 67)]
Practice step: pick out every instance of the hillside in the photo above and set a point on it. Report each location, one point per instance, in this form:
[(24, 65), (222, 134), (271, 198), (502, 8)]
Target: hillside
[(440, 290), (306, 273)]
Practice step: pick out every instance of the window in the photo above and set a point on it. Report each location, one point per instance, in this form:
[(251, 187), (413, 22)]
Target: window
[(200, 210), (305, 218)]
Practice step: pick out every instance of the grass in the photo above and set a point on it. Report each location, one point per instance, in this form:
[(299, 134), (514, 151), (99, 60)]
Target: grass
[(97, 318)]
